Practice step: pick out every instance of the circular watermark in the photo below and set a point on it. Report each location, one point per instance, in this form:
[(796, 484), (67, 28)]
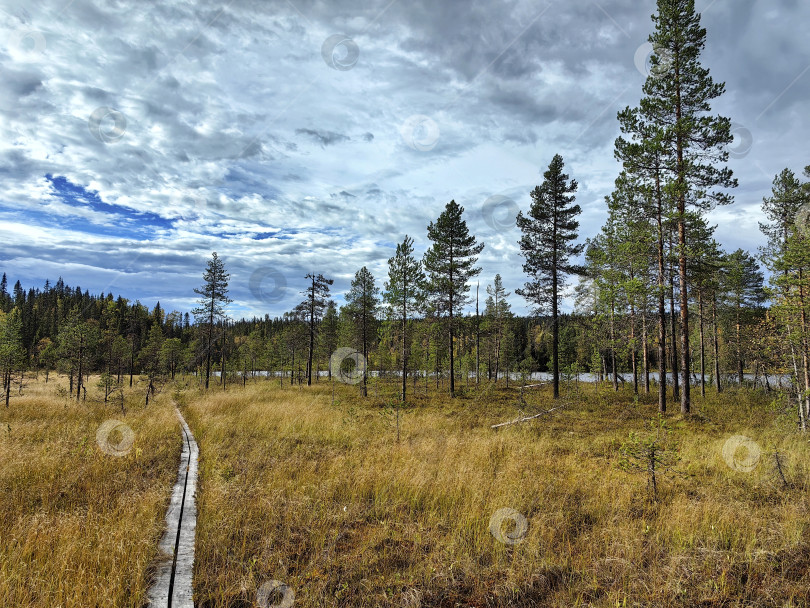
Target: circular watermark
[(743, 141), (643, 60), (27, 42), (352, 376), (496, 526), (189, 203), (420, 132), (741, 453), (500, 212), (107, 124), (340, 52), (124, 445), (282, 595), (260, 287), (802, 220)]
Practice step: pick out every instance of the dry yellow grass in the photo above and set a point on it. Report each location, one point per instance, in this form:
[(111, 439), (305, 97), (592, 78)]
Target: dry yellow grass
[(79, 527), (322, 498)]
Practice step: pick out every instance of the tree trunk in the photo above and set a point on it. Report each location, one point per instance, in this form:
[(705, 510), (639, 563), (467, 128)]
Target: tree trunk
[(702, 346), (633, 348), (81, 361), (555, 331), (716, 345), (662, 315), (676, 389), (644, 348), (613, 348), (681, 197), (477, 338)]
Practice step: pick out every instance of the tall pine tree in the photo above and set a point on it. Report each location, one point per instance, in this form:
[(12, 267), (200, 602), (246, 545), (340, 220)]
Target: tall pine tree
[(361, 304), (547, 244), (450, 264), (677, 102), (213, 299), (404, 292), (317, 297)]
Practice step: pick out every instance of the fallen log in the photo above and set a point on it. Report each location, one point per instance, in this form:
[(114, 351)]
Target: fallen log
[(525, 418)]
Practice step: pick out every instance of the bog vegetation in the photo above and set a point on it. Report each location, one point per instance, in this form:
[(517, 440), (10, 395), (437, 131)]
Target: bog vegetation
[(304, 479)]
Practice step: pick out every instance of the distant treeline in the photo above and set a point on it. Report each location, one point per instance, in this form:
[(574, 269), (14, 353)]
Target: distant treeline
[(66, 329)]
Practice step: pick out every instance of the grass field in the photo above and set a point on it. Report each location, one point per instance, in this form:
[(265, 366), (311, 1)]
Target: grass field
[(79, 526), (322, 498)]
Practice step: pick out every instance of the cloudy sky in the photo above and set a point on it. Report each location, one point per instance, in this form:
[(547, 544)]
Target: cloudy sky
[(312, 135)]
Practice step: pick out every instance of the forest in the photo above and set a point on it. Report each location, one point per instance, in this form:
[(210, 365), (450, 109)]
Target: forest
[(638, 318)]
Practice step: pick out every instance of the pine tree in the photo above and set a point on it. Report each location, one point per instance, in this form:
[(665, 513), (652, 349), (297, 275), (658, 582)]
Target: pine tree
[(547, 244), (404, 292), (783, 256), (676, 100), (450, 264), (150, 359), (362, 301), (328, 335), (643, 159), (743, 284), (498, 313), (788, 195), (317, 296), (12, 354), (214, 298)]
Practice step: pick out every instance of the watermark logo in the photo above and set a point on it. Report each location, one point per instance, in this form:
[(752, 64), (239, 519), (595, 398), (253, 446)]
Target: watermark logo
[(743, 141), (108, 431), (27, 43), (107, 125), (643, 60), (337, 367), (500, 212), (279, 593), (267, 285), (496, 526), (741, 453), (420, 132), (340, 52)]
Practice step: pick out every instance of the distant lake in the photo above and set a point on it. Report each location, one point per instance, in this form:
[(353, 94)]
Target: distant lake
[(775, 380)]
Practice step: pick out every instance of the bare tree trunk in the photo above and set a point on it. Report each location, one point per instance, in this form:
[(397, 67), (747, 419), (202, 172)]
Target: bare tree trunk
[(702, 346), (804, 345), (662, 318), (644, 349), (676, 389), (633, 347), (613, 348), (716, 345), (477, 338), (81, 361)]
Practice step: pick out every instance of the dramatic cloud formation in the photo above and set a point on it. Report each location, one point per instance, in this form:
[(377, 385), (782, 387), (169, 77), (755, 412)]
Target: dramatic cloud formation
[(312, 135)]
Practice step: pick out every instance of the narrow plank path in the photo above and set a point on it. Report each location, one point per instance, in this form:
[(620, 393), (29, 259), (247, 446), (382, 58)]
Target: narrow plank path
[(172, 587)]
